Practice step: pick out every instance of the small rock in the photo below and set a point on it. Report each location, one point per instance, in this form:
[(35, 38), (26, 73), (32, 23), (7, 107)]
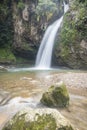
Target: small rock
[(2, 68), (83, 44), (34, 81)]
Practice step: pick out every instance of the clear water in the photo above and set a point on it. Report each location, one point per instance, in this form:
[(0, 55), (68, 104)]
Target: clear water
[(19, 89)]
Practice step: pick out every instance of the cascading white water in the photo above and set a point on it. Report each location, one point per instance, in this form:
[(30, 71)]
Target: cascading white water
[(43, 59)]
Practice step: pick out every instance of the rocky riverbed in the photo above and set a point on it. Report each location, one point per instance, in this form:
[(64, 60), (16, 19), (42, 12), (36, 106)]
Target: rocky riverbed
[(17, 89)]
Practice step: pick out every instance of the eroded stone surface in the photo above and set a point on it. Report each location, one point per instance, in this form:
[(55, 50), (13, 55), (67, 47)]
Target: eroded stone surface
[(57, 95), (30, 115)]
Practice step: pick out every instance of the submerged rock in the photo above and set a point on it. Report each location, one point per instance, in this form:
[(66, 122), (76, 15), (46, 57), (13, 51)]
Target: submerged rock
[(56, 96), (38, 119)]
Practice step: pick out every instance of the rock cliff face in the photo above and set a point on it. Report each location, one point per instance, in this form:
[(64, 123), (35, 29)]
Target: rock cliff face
[(31, 19), (71, 46), (22, 25)]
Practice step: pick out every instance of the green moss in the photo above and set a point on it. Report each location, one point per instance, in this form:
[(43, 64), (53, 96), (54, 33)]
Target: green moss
[(56, 96), (41, 123), (61, 95), (47, 99), (66, 128), (6, 55), (65, 53), (44, 122), (20, 5), (51, 88)]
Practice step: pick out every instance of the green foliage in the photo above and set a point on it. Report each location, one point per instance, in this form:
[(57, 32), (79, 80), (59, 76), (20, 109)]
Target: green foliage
[(68, 32), (41, 123), (83, 1), (21, 5), (6, 31), (46, 6), (73, 31), (74, 26), (81, 23), (3, 9), (6, 25), (65, 52)]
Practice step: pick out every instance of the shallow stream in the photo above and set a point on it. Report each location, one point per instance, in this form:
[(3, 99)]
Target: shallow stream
[(19, 89)]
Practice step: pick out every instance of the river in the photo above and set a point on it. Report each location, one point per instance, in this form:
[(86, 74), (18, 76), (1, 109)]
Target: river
[(19, 89)]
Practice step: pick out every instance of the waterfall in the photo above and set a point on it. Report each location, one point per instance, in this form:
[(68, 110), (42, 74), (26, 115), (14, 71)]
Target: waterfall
[(43, 59)]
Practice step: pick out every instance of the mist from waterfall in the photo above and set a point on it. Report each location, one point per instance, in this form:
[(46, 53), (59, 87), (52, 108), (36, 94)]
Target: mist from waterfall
[(43, 59)]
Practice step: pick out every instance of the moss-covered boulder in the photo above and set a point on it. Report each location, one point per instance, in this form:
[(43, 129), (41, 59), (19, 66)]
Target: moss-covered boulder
[(38, 119), (56, 96)]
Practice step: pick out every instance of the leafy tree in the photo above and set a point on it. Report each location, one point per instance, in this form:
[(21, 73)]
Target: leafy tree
[(6, 25), (21, 5), (46, 6)]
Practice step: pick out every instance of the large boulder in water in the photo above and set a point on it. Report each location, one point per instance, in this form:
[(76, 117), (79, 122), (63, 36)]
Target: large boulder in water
[(38, 119), (56, 96)]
